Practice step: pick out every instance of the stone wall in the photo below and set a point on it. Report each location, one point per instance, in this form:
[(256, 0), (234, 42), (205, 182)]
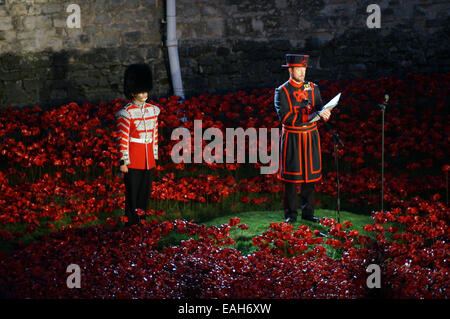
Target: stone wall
[(42, 61), (224, 45)]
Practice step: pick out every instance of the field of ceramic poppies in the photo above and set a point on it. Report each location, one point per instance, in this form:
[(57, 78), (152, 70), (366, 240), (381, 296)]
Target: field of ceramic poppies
[(62, 201)]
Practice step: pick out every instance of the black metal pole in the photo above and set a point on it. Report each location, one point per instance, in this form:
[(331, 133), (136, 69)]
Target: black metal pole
[(382, 158), (383, 108), (336, 140), (337, 179)]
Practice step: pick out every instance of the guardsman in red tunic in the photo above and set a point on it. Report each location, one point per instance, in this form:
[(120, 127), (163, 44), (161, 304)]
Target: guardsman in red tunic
[(300, 155), (137, 128)]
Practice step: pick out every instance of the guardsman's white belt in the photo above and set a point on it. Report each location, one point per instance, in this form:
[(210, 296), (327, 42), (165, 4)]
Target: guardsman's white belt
[(141, 140)]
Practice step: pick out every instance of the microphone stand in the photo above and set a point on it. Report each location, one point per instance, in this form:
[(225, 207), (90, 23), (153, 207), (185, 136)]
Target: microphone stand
[(383, 108), (336, 140)]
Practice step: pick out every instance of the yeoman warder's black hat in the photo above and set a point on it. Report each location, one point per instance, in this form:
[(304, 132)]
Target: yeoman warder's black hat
[(137, 78), (296, 60)]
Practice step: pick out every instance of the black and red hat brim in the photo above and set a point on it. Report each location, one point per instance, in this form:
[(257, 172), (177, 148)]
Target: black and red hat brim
[(296, 60), (291, 65)]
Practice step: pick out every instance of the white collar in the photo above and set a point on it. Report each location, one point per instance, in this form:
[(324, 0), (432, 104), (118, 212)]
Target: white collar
[(140, 105)]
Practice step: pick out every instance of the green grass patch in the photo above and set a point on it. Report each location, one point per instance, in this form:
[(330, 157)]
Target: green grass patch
[(258, 222)]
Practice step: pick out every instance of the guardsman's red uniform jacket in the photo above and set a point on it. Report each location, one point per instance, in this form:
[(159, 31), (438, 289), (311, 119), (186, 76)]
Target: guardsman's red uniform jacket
[(300, 154), (137, 128)]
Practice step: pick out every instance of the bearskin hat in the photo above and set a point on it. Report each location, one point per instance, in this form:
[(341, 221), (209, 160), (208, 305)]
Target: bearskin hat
[(137, 79)]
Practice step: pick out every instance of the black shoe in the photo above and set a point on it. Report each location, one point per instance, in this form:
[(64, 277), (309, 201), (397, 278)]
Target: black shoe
[(311, 218), (291, 220)]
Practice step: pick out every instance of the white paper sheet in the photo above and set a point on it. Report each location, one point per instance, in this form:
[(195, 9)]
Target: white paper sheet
[(329, 106)]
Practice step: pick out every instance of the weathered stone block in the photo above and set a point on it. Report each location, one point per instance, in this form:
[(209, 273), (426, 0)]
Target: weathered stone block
[(16, 95), (214, 27), (59, 22), (52, 8), (5, 23), (132, 37), (18, 9), (111, 39), (37, 22), (222, 51), (32, 85), (131, 4), (102, 18)]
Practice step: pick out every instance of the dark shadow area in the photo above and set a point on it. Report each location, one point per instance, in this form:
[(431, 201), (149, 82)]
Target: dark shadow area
[(50, 79), (59, 88)]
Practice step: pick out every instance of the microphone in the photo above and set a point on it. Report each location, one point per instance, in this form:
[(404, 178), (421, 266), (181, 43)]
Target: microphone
[(386, 100)]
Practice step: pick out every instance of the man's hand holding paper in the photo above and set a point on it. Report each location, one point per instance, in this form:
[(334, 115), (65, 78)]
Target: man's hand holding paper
[(325, 112)]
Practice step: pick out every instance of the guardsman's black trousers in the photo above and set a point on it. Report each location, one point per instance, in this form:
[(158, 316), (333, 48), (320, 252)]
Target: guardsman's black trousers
[(138, 185)]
